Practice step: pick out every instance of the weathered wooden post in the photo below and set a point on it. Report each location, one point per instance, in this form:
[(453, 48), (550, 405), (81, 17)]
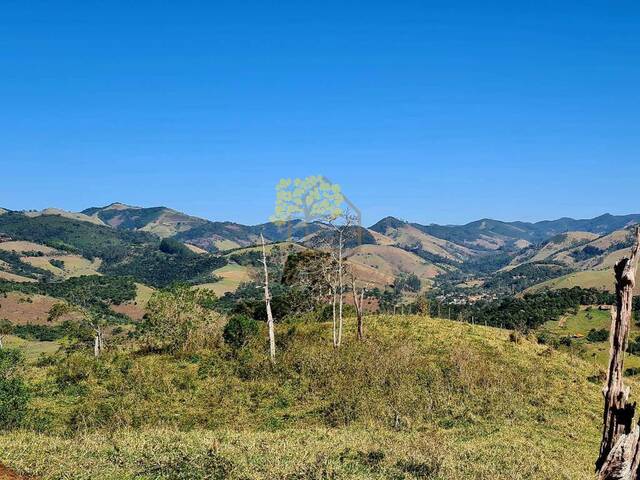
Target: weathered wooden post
[(619, 454)]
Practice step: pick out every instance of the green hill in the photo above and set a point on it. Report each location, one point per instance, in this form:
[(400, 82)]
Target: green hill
[(122, 252), (421, 398)]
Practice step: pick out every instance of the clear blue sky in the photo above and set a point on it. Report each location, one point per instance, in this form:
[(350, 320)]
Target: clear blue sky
[(431, 111)]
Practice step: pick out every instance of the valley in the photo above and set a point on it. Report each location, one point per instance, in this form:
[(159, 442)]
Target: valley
[(475, 334)]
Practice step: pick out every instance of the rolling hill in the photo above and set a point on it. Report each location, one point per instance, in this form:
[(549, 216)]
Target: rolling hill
[(120, 239)]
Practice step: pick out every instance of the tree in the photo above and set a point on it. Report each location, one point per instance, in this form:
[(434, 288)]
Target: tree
[(267, 302), (89, 318), (423, 306), (316, 199), (358, 301), (14, 395), (239, 330), (5, 329), (178, 319)]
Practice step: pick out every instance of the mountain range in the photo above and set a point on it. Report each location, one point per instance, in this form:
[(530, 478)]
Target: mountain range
[(456, 254)]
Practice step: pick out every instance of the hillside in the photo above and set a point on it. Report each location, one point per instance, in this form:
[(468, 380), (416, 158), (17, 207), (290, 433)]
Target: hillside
[(410, 402), (392, 261), (67, 247), (162, 221), (493, 234), (124, 240)]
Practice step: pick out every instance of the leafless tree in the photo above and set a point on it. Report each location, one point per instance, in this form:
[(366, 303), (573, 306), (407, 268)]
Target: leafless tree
[(267, 301), (620, 450), (358, 301), (340, 225)]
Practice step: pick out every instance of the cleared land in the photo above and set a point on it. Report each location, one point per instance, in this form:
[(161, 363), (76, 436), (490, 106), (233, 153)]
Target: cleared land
[(136, 308), (232, 275), (392, 261), (21, 309), (598, 279)]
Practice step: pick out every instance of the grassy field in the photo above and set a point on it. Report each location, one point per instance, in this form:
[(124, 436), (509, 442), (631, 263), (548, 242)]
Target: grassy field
[(232, 275), (74, 265), (32, 349), (579, 326), (421, 398), (598, 279)]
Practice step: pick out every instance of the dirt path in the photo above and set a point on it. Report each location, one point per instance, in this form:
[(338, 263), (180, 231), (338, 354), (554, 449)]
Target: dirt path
[(6, 474)]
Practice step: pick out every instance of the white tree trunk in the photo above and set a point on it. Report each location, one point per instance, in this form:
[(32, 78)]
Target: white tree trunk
[(335, 331), (267, 301), (341, 289), (359, 303), (96, 345), (1, 344)]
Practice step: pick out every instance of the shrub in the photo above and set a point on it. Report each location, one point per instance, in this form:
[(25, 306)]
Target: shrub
[(566, 341), (546, 338), (179, 319), (598, 335), (14, 396), (634, 346), (239, 330)]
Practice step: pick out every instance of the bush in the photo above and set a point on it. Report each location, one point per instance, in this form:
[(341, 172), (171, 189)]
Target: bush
[(566, 341), (598, 335), (14, 396), (239, 330), (634, 346), (179, 319), (546, 338)]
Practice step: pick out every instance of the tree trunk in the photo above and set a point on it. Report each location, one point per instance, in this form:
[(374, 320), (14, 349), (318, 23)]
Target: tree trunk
[(619, 453), (359, 303), (341, 289), (1, 345), (96, 345), (267, 301), (335, 330)]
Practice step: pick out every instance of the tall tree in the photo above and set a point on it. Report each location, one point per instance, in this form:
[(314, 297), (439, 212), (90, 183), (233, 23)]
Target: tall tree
[(267, 301)]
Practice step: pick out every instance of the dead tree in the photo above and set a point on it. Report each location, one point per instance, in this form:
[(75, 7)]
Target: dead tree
[(358, 301), (267, 302), (619, 451)]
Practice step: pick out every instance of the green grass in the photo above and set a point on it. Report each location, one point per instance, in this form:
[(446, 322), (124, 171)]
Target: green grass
[(31, 348), (421, 398), (580, 324)]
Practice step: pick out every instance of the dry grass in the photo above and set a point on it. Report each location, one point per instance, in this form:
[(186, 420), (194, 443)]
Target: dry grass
[(421, 398), (21, 308), (22, 246), (232, 275)]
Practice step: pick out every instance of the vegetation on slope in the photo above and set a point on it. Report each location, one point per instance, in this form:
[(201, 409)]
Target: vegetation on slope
[(419, 399)]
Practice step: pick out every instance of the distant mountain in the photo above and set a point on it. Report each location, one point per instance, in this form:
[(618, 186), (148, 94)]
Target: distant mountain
[(489, 234), (162, 221), (391, 246), (211, 236)]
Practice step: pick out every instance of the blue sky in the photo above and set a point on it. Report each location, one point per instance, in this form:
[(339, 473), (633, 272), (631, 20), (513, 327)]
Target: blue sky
[(440, 112)]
